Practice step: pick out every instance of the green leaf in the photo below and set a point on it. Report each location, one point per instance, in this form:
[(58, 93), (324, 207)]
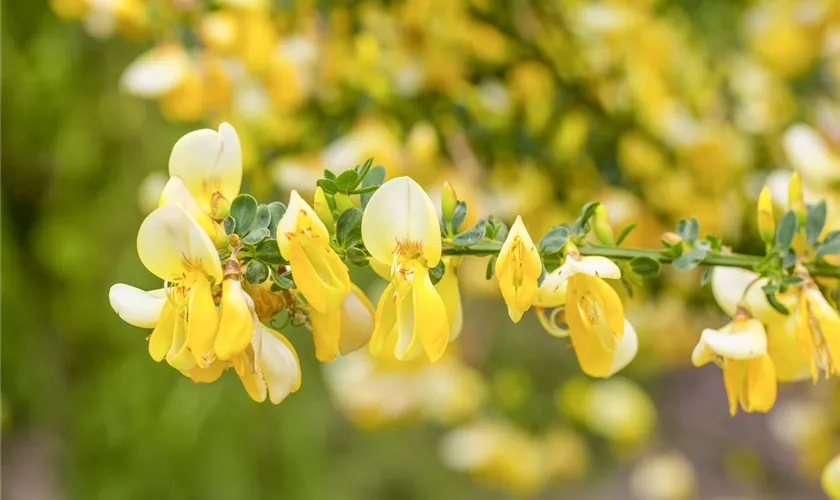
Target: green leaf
[(501, 231), (491, 267), (329, 187), (374, 177), (349, 225), (256, 272), (716, 243), (357, 257), (624, 233), (471, 236), (363, 171), (830, 245), (277, 210), (269, 252), (283, 281), (791, 281), (707, 276), (788, 259), (816, 222), (692, 231), (459, 215), (645, 266), (785, 231), (554, 240), (329, 175), (255, 236), (543, 272), (244, 210), (263, 217), (586, 213), (366, 190), (704, 245), (436, 273), (229, 224), (771, 299), (347, 181), (689, 260)]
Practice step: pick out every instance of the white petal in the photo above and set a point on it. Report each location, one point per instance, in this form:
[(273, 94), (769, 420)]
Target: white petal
[(279, 365), (399, 213), (356, 321), (156, 72), (208, 161), (552, 291), (625, 349), (596, 265), (176, 192), (728, 286), (168, 237), (135, 306), (749, 342)]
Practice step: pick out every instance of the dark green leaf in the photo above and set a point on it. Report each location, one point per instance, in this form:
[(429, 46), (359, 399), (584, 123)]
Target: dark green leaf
[(277, 210), (263, 217), (459, 215), (347, 181), (645, 266), (554, 240), (830, 245), (349, 225), (269, 252), (785, 231), (363, 171), (365, 190), (230, 224), (791, 281), (771, 298), (491, 267), (788, 259), (586, 213), (689, 260), (374, 177), (357, 257), (624, 233), (284, 281), (707, 276), (256, 272), (255, 236), (816, 222), (329, 175), (329, 187), (501, 231), (470, 237), (436, 273), (244, 210)]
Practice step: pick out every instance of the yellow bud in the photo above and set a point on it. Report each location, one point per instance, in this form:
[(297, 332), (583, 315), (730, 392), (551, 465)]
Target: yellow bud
[(766, 219), (601, 225), (448, 200), (343, 202), (322, 208), (796, 201)]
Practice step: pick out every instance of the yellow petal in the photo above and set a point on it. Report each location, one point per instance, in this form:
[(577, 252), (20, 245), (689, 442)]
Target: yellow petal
[(828, 320), (245, 366), (169, 237), (319, 275), (447, 287), (386, 319), (611, 303), (357, 318), (783, 348), (176, 192), (552, 291), (746, 340), (430, 323), (804, 337), (594, 360), (279, 365), (625, 349), (734, 375), (179, 357), (401, 213), (135, 306), (518, 269), (300, 217), (236, 323), (161, 338), (202, 321), (326, 333), (761, 384), (210, 374), (208, 162)]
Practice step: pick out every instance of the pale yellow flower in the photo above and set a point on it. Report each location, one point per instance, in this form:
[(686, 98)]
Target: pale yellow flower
[(518, 268), (344, 329)]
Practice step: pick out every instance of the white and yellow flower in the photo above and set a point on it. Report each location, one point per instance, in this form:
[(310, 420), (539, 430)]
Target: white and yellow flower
[(518, 269), (345, 329), (401, 230), (269, 366)]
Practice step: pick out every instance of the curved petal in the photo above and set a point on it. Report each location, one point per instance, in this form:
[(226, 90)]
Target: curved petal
[(552, 291), (386, 318), (746, 340), (319, 274), (176, 192), (209, 162), (804, 337), (613, 309), (594, 360), (179, 356), (279, 365), (729, 285), (299, 218), (245, 365), (761, 386), (828, 320), (135, 306), (595, 265), (210, 374), (160, 341), (326, 333), (448, 290), (518, 269), (783, 348), (734, 374), (625, 349), (430, 323), (236, 325), (202, 321), (168, 237), (401, 213), (356, 321)]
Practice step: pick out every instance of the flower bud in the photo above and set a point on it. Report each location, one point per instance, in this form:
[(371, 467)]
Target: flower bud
[(796, 200), (448, 200), (343, 202), (766, 219), (672, 238), (220, 239), (322, 208), (601, 225), (219, 206)]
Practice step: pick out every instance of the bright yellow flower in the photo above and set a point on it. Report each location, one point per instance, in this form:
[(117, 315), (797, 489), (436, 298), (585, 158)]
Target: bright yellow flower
[(401, 229), (740, 349), (345, 329), (594, 312), (450, 293), (304, 241), (269, 366), (518, 269), (818, 332)]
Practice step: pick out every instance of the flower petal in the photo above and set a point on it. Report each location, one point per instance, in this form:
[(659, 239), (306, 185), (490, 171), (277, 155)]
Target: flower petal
[(160, 341), (156, 72), (356, 321), (747, 340), (401, 213), (279, 365), (176, 192), (734, 372), (430, 323), (202, 321), (245, 366), (625, 349), (210, 374), (595, 265), (236, 324), (135, 306), (300, 217), (326, 333), (448, 290), (783, 348), (168, 237), (179, 357), (761, 386), (386, 318), (594, 360)]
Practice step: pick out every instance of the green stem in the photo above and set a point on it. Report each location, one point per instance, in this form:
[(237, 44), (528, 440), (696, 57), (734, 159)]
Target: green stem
[(620, 253)]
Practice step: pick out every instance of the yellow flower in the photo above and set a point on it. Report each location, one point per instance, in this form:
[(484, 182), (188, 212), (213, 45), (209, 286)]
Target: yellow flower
[(831, 478), (269, 366), (740, 349), (401, 229), (594, 313), (345, 329), (304, 241), (818, 332), (449, 292), (766, 219), (518, 269)]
